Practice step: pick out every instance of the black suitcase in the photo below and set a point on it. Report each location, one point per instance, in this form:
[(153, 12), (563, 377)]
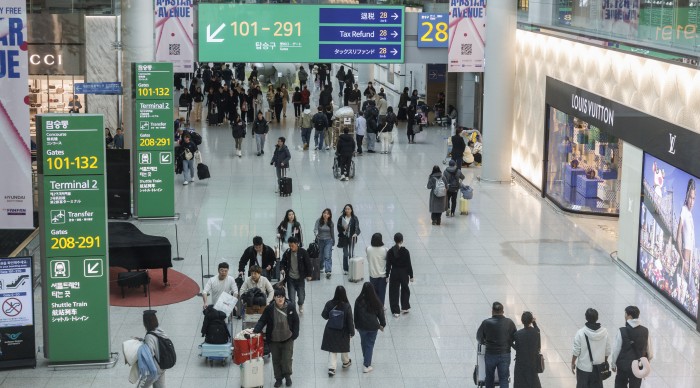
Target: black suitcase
[(285, 185), (316, 273), (203, 171)]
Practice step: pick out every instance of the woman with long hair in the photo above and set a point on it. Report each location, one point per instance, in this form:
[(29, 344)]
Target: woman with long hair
[(348, 230), (369, 318), (437, 203), (289, 227), (685, 244), (323, 230), (527, 348), (339, 329)]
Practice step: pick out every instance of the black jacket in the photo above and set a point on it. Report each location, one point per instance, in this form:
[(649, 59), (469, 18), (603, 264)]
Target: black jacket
[(238, 130), (326, 97), (282, 231), (346, 145), (249, 256), (337, 341), (305, 267), (353, 226), (267, 319), (367, 320), (398, 259), (458, 146), (260, 126), (281, 156), (497, 333), (320, 121), (527, 347)]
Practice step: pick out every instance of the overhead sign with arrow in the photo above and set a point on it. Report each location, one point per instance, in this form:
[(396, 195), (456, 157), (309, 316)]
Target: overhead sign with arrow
[(310, 33)]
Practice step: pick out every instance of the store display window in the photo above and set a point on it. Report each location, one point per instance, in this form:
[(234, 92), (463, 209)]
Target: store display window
[(669, 257), (583, 167), (53, 94)]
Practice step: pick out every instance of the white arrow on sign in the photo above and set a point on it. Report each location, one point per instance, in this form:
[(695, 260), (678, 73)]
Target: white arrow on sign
[(394, 34), (394, 52), (92, 269), (433, 75), (211, 38), (395, 16)]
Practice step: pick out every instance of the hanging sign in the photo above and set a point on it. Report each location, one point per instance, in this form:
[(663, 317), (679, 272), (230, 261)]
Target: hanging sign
[(465, 52)]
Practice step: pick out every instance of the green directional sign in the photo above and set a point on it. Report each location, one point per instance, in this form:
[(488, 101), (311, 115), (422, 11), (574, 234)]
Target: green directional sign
[(154, 157), (300, 33), (72, 218)]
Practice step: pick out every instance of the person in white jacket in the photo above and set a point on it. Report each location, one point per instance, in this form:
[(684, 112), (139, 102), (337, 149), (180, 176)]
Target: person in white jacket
[(376, 260), (581, 363)]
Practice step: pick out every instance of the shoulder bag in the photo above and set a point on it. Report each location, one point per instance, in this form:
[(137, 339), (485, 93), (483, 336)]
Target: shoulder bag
[(188, 154), (600, 371), (540, 363)]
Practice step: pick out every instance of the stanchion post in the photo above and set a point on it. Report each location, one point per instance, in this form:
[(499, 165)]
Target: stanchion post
[(208, 275), (177, 247), (148, 289), (201, 265)]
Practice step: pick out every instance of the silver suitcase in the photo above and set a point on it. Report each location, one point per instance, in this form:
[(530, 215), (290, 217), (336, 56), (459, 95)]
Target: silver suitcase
[(480, 368), (253, 373), (357, 269)]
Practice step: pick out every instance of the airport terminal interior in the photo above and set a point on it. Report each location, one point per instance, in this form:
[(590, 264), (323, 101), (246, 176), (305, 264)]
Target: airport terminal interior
[(513, 247), (564, 230)]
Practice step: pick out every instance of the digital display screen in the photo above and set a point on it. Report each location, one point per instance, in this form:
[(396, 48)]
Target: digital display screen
[(668, 257)]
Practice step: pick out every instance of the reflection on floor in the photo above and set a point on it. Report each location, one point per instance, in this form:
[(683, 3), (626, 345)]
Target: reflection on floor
[(513, 247)]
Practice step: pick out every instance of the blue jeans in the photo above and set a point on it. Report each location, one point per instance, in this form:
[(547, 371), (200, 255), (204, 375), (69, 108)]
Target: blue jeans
[(188, 169), (326, 249), (367, 338), (260, 141), (318, 138), (379, 287), (295, 286), (371, 139), (346, 258), (494, 361), (306, 135)]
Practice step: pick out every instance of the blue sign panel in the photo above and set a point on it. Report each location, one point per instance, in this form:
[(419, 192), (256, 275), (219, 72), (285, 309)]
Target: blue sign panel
[(359, 34), (359, 51), (436, 72), (433, 29), (361, 15), (98, 88)]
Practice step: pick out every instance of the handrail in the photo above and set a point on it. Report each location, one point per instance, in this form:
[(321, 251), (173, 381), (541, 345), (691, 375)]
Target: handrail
[(23, 244)]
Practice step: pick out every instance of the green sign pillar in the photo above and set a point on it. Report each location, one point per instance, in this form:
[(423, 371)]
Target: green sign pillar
[(154, 158), (73, 224)]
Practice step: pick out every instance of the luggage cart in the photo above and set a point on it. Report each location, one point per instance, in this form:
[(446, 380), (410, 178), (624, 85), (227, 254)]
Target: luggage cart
[(342, 118), (218, 353)]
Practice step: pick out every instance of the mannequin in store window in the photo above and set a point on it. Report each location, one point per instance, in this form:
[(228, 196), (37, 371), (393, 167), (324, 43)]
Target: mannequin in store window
[(74, 105)]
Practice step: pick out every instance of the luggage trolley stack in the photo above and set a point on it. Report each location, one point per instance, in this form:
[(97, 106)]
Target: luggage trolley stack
[(342, 118)]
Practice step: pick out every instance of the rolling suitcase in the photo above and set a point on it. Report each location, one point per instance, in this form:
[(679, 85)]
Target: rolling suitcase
[(216, 353), (316, 272), (480, 368), (203, 171), (285, 184), (356, 264), (463, 206), (252, 373)]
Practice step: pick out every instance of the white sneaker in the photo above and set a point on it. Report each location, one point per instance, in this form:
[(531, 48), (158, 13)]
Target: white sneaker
[(345, 272), (327, 148), (184, 183), (342, 177), (396, 315), (367, 369)]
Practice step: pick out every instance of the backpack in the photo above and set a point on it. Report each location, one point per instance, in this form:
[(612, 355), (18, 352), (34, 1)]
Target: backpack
[(319, 122), (452, 182), (217, 332), (196, 138), (439, 190), (166, 351), (336, 319), (254, 297)]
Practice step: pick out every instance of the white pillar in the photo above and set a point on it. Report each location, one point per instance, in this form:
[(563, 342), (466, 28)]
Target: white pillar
[(499, 89), (137, 35)]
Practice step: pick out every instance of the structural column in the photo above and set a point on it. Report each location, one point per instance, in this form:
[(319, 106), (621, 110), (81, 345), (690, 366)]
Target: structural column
[(499, 89), (137, 46)]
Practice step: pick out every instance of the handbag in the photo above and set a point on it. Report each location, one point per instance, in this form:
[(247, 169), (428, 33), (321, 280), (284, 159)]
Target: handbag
[(188, 154), (540, 363), (314, 250), (198, 157), (226, 303), (602, 371), (342, 240), (336, 319)]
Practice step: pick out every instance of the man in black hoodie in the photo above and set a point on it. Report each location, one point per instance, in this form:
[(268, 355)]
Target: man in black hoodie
[(458, 147), (280, 158), (346, 147)]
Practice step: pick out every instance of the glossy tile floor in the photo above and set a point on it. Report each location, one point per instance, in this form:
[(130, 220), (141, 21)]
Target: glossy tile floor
[(513, 247)]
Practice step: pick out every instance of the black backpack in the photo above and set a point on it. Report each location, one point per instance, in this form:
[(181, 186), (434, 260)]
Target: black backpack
[(254, 297), (319, 122), (195, 137), (166, 351), (217, 332)]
